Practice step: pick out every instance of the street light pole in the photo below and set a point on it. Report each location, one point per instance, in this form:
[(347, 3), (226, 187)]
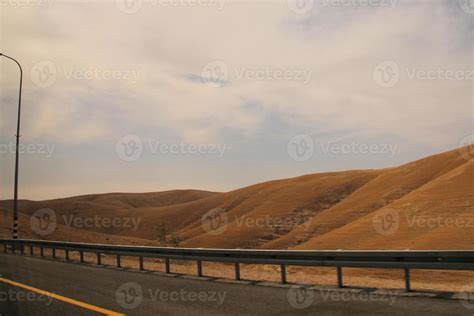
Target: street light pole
[(15, 190)]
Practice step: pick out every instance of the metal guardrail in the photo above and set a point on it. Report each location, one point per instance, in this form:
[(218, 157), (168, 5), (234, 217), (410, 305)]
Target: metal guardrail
[(406, 260)]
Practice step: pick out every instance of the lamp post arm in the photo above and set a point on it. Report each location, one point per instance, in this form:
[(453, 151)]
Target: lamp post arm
[(16, 61)]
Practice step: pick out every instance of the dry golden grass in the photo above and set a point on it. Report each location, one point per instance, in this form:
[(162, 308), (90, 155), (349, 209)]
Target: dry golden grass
[(335, 210), (421, 280)]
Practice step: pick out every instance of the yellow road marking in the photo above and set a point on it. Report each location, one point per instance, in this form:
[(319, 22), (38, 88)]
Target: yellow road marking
[(61, 298)]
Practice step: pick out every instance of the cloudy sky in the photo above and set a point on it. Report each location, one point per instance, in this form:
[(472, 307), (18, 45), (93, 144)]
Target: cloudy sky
[(137, 96)]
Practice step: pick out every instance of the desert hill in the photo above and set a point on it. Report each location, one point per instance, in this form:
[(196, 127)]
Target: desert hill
[(439, 215), (411, 206)]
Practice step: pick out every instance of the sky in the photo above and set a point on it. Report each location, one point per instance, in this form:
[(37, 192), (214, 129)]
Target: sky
[(141, 96)]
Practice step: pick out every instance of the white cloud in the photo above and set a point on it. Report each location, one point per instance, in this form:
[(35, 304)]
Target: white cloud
[(339, 45), (169, 46)]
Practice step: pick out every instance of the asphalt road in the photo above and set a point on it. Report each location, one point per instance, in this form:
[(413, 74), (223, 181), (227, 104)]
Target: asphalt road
[(145, 293)]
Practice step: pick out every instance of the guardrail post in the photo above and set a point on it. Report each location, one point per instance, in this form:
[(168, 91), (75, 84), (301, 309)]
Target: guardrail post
[(199, 268), (437, 260), (339, 277), (237, 271), (407, 280), (283, 273)]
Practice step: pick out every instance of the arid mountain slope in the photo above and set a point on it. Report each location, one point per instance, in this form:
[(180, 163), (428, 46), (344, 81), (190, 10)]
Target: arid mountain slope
[(438, 215), (391, 185), (108, 201), (337, 210), (265, 212), (110, 206)]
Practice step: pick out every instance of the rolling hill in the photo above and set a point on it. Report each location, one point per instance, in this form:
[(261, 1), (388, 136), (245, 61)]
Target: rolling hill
[(426, 204)]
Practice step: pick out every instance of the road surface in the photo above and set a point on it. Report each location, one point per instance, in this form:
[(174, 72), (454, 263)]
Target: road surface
[(80, 289)]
